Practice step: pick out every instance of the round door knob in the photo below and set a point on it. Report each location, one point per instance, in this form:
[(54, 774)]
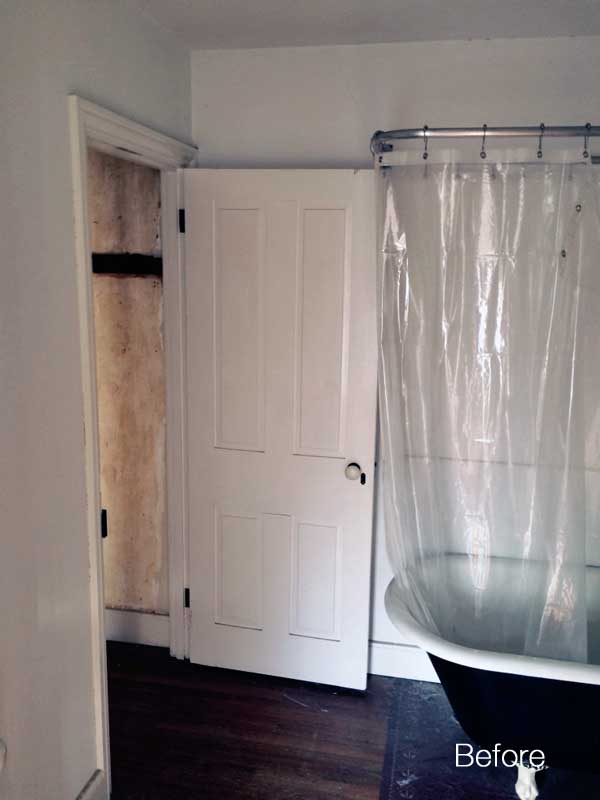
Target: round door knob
[(353, 471)]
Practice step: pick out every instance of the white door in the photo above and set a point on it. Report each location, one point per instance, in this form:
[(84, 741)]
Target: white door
[(281, 370)]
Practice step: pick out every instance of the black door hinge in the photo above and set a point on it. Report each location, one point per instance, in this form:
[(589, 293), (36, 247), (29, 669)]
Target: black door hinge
[(182, 220), (186, 598), (104, 523)]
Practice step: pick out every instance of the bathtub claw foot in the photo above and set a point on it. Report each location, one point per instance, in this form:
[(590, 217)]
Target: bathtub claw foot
[(526, 787)]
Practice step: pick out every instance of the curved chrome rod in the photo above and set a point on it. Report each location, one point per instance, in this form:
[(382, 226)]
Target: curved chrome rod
[(382, 141)]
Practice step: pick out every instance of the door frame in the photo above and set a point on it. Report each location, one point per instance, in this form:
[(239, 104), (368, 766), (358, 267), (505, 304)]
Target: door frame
[(91, 125)]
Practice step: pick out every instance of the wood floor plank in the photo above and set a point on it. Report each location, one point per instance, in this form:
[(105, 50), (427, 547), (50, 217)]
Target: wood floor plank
[(180, 731)]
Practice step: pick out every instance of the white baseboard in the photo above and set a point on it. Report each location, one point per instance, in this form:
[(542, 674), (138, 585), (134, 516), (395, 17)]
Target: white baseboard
[(95, 789), (385, 658), (400, 661), (137, 627)]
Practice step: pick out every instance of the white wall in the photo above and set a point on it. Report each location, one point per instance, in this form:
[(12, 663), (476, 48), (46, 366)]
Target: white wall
[(48, 49), (319, 106)]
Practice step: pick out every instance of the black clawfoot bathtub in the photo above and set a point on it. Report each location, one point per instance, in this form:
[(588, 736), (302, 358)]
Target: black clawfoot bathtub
[(523, 703)]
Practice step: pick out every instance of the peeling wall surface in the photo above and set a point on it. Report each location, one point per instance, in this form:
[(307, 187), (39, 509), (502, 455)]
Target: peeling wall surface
[(124, 208), (131, 409)]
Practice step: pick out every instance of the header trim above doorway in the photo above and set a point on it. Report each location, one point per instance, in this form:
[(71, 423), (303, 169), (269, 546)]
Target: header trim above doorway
[(124, 138)]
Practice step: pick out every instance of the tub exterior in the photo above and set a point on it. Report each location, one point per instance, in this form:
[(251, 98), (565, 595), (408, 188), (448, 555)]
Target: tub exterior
[(487, 660), (525, 713), (520, 702)]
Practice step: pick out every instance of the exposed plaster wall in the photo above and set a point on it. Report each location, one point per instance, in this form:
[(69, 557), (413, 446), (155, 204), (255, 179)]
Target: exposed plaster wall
[(124, 206), (131, 410), (124, 209)]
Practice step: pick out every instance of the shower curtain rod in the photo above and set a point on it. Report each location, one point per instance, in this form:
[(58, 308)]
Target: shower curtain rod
[(382, 141)]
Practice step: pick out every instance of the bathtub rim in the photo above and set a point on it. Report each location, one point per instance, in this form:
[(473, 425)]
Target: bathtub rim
[(489, 660)]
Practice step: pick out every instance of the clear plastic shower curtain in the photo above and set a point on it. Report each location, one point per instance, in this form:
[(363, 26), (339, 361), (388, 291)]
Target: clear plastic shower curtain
[(489, 400)]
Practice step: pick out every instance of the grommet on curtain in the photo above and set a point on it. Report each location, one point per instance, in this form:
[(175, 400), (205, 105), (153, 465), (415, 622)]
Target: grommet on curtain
[(586, 153), (483, 154), (425, 138), (540, 152)]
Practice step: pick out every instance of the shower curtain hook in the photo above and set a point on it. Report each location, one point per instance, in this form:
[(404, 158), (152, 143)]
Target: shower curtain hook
[(483, 154), (426, 138), (540, 152), (586, 153)]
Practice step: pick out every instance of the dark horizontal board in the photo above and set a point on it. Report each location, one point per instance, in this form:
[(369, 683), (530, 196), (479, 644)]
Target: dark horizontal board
[(126, 264)]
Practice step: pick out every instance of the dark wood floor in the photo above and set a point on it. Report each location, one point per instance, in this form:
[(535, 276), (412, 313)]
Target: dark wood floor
[(180, 731)]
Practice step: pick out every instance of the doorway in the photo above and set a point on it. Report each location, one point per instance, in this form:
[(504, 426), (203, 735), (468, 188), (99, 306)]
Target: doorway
[(93, 127), (279, 380), (124, 211)]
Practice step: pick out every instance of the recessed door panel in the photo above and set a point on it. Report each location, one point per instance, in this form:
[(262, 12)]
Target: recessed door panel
[(315, 589), (238, 320), (321, 311), (238, 570)]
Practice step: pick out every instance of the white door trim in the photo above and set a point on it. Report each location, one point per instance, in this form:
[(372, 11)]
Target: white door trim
[(91, 125), (176, 447), (112, 133)]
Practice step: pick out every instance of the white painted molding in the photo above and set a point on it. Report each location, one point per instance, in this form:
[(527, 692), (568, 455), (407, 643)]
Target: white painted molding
[(95, 789), (112, 133), (91, 125), (400, 661), (176, 442), (136, 627), (83, 263)]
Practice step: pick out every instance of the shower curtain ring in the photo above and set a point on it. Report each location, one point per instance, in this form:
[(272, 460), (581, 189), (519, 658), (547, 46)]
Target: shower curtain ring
[(483, 154), (426, 138), (540, 152), (586, 153)]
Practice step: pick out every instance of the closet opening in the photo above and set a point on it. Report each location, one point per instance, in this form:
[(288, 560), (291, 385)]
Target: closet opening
[(124, 223)]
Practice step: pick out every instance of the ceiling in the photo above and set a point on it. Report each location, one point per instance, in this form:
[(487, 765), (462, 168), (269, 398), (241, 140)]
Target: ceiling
[(226, 24)]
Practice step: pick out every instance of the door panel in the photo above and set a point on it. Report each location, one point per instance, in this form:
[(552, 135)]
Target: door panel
[(315, 581), (238, 571), (239, 339), (281, 371), (321, 345)]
